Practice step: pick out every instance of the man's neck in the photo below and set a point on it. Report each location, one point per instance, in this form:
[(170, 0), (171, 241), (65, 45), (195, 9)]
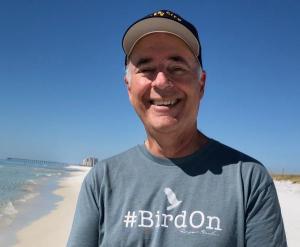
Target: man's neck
[(175, 145)]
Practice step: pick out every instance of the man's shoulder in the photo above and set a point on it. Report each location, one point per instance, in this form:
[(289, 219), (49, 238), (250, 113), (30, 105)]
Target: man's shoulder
[(113, 164), (228, 153), (250, 168), (120, 158), (124, 155)]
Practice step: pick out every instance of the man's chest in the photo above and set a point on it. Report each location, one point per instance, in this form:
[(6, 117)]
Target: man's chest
[(172, 212)]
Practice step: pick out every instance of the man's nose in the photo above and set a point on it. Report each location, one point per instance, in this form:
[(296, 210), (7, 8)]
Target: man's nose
[(161, 81)]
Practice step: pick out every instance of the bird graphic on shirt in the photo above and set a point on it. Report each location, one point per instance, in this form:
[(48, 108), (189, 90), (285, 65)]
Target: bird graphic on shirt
[(171, 199)]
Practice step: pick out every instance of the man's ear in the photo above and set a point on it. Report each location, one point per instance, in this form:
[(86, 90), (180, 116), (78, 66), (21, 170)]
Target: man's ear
[(202, 82), (203, 76), (127, 84), (126, 80)]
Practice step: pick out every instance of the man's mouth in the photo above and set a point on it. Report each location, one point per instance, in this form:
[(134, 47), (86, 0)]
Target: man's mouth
[(161, 102)]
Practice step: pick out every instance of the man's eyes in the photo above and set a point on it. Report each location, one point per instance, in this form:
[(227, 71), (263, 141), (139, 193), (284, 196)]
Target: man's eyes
[(176, 69)]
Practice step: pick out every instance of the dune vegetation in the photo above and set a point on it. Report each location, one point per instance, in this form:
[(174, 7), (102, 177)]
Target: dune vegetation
[(294, 178)]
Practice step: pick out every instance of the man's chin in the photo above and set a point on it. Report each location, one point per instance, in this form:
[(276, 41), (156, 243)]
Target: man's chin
[(164, 125)]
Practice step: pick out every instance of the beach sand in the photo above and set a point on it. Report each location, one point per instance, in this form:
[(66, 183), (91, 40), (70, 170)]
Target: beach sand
[(289, 198), (53, 229)]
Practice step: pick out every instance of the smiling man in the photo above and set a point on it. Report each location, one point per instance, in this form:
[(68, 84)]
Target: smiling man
[(180, 187), (165, 84)]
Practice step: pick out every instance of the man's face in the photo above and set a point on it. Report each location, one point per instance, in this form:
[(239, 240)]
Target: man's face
[(164, 84)]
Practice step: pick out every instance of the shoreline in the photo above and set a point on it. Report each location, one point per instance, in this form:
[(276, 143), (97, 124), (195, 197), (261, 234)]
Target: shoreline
[(39, 197), (52, 228)]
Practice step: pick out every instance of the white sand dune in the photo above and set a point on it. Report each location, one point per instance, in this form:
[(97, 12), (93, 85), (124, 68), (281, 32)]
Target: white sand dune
[(289, 198), (53, 229)]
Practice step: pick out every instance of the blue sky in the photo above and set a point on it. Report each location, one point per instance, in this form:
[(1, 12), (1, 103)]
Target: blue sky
[(63, 98)]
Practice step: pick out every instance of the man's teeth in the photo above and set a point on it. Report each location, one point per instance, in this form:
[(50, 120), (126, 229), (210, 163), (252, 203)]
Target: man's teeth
[(164, 102)]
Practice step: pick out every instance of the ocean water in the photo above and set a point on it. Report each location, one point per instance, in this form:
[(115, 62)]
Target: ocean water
[(21, 182)]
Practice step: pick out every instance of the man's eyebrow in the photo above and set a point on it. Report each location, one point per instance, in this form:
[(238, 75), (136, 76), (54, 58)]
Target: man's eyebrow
[(179, 59), (143, 61), (146, 60)]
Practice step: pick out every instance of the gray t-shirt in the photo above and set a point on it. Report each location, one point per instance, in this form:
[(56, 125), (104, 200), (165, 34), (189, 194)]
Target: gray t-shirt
[(214, 197)]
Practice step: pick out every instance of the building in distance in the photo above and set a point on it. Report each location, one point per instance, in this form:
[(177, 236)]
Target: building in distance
[(90, 161)]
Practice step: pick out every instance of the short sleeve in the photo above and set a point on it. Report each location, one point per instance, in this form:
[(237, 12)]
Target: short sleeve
[(85, 227), (264, 224)]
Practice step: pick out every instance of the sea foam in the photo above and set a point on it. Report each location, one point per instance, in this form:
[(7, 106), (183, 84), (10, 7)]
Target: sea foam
[(7, 208)]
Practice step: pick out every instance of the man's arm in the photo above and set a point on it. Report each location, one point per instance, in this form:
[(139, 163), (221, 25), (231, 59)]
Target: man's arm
[(264, 224), (85, 228)]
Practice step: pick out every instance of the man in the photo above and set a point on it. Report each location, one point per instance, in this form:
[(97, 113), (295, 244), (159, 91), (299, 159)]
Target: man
[(180, 188)]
